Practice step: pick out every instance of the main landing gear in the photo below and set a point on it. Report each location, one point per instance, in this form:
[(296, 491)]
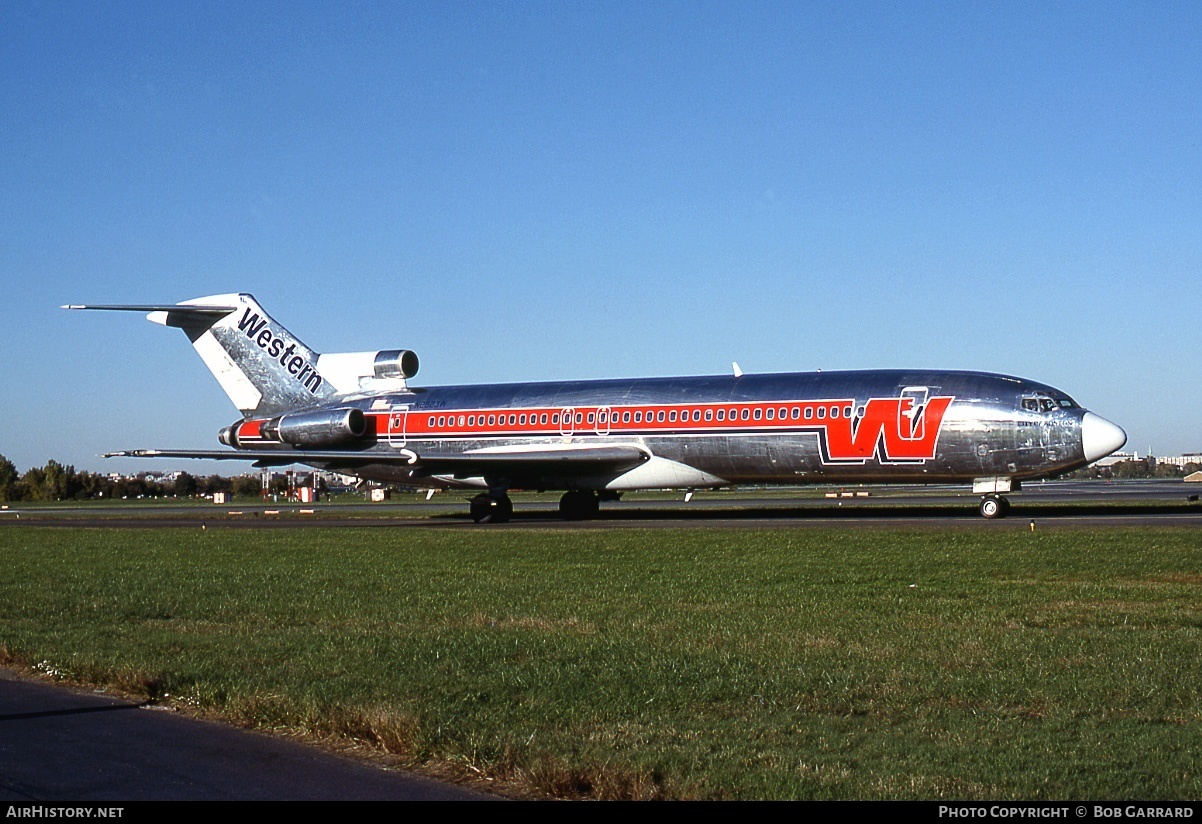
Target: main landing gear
[(994, 506), (494, 507), (490, 508), (579, 504)]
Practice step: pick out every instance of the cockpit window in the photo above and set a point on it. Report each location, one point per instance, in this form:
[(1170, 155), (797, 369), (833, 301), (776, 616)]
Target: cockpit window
[(1044, 403)]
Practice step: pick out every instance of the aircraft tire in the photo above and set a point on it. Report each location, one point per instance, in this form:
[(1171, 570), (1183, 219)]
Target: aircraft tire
[(486, 509), (578, 505), (994, 506)]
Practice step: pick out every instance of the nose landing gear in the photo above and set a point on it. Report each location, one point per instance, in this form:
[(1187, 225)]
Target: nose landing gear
[(994, 506)]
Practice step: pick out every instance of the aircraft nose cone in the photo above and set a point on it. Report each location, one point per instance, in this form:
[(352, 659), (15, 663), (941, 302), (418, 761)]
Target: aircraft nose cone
[(1099, 437)]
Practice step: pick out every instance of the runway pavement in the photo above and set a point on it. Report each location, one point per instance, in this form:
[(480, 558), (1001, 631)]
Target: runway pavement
[(1126, 503)]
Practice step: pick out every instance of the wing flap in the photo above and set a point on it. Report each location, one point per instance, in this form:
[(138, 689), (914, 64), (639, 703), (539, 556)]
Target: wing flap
[(559, 461)]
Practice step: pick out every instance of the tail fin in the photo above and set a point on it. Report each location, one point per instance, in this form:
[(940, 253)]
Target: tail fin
[(263, 367)]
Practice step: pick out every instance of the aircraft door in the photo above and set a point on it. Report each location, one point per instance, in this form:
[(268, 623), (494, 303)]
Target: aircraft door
[(566, 421), (911, 423), (603, 415), (1033, 436), (398, 418)]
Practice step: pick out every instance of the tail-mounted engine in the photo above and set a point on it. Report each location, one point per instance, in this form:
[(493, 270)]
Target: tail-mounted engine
[(395, 363), (382, 371), (319, 429)]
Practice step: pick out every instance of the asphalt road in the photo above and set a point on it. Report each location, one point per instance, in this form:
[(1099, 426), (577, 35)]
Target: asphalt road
[(62, 744)]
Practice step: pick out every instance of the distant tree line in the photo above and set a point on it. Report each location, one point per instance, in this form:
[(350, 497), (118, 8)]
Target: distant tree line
[(56, 482), (1142, 468)]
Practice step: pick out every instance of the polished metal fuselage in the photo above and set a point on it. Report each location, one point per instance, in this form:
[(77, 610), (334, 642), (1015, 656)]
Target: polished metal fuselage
[(986, 430)]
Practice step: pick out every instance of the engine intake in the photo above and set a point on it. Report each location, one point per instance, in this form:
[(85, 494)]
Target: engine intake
[(395, 363), (327, 427)]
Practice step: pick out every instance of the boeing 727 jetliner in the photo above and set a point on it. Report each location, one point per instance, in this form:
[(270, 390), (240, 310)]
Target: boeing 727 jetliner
[(357, 414)]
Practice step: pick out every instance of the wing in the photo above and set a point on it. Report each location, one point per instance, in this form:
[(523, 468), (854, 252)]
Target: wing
[(547, 460)]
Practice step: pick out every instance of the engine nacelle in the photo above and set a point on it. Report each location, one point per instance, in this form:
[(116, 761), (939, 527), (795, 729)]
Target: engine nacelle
[(327, 427), (395, 363), (229, 434), (383, 370)]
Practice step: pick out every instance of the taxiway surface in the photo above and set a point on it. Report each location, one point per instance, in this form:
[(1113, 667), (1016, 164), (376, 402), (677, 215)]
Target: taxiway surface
[(63, 744)]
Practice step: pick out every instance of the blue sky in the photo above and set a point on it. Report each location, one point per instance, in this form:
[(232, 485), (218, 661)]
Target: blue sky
[(529, 191)]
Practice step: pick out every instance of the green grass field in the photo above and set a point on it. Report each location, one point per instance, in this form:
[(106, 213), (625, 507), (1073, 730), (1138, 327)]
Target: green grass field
[(967, 662)]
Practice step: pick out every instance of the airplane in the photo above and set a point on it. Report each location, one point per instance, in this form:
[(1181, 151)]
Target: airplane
[(357, 414)]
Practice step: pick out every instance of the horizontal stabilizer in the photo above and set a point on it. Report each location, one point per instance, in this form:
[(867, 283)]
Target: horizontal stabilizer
[(174, 308)]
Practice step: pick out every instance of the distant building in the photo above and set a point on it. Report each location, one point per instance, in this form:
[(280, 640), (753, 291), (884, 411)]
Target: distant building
[(1183, 459)]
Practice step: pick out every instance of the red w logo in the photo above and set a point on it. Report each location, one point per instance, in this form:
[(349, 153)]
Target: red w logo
[(892, 429)]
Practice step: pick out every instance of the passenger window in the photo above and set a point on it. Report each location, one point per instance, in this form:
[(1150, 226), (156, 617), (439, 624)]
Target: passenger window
[(809, 412), (659, 416), (821, 412), (696, 414), (461, 420), (834, 411), (471, 420), (757, 413), (847, 412), (492, 420), (709, 414), (672, 416), (746, 414), (579, 417), (721, 414), (592, 417), (638, 417), (432, 419), (771, 413)]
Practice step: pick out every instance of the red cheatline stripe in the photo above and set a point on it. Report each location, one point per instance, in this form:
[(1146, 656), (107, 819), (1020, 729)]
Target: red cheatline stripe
[(619, 419)]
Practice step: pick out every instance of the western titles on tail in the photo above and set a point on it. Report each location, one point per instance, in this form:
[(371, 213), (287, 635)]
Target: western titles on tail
[(265, 369)]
